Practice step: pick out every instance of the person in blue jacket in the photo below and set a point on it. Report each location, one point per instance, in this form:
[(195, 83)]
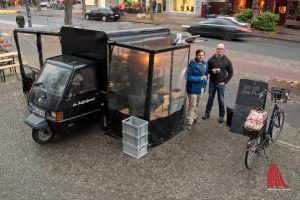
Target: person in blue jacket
[(196, 81)]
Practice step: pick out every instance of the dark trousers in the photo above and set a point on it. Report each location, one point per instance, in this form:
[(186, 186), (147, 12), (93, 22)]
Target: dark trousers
[(220, 89)]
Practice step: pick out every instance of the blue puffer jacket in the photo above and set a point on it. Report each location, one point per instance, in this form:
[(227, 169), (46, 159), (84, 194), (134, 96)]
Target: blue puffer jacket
[(195, 71)]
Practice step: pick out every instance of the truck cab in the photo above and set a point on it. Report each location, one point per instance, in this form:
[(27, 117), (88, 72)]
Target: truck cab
[(64, 93)]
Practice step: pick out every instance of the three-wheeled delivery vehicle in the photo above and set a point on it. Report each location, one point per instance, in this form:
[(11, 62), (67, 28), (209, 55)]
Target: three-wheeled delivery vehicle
[(74, 75)]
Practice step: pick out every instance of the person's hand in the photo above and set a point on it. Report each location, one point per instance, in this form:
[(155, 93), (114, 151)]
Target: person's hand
[(214, 70), (203, 77)]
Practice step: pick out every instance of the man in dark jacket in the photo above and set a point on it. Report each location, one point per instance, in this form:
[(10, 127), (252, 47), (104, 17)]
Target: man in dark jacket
[(20, 20), (221, 71)]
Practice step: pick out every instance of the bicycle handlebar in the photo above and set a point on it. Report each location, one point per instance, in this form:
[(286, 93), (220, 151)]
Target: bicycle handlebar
[(272, 92)]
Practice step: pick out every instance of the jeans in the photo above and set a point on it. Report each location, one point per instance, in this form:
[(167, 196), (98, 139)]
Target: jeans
[(194, 100), (213, 87)]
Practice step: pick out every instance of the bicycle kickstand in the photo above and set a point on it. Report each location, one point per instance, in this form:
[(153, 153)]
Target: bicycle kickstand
[(266, 154)]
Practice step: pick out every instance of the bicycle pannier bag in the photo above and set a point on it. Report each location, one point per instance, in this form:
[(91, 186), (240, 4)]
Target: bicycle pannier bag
[(256, 120)]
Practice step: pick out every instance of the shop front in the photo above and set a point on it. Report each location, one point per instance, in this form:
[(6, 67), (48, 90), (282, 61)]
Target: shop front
[(293, 14), (182, 6)]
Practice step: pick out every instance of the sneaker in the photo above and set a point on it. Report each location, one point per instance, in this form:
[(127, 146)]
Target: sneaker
[(206, 116), (221, 119), (197, 121), (189, 126)]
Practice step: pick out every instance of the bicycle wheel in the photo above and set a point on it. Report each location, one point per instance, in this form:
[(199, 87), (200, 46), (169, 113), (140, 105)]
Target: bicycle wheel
[(278, 122), (252, 153)]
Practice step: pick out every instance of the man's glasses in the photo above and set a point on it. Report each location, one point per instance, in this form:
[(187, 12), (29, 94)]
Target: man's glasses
[(220, 49)]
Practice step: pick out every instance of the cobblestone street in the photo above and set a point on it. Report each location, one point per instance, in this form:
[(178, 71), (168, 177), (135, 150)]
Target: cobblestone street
[(204, 163)]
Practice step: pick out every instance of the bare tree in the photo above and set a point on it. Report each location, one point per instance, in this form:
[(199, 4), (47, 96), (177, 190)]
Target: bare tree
[(151, 9), (254, 9), (68, 12), (83, 6), (38, 7), (28, 13)]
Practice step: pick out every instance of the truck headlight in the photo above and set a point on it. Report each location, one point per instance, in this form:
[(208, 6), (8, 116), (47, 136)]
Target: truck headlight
[(57, 116)]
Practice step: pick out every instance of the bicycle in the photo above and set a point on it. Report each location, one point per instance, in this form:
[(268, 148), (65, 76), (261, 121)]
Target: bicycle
[(258, 142)]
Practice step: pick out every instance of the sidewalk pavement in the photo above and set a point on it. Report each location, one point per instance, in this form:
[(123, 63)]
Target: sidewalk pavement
[(171, 21)]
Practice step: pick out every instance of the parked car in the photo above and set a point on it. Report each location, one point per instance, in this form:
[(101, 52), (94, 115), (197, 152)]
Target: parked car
[(235, 20), (103, 14), (218, 27), (44, 4)]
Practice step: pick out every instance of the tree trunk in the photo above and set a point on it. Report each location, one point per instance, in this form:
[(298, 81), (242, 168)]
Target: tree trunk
[(96, 3), (83, 6), (28, 13), (68, 12), (254, 9), (151, 9), (38, 7)]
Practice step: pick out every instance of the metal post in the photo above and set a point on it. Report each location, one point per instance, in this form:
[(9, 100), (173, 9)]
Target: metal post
[(28, 13)]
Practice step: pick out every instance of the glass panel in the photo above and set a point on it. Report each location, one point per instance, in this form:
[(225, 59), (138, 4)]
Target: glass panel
[(168, 88), (161, 86), (128, 78), (53, 79), (29, 52), (51, 46), (178, 87)]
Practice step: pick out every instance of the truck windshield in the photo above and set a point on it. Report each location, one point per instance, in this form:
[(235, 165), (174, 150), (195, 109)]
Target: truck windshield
[(53, 79)]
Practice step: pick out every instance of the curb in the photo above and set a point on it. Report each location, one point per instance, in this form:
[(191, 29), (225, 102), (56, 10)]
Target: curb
[(8, 11)]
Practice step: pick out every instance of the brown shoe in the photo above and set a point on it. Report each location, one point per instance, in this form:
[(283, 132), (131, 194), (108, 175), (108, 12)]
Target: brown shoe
[(197, 121), (189, 126)]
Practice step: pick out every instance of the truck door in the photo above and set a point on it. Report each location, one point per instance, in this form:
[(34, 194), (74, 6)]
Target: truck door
[(82, 96)]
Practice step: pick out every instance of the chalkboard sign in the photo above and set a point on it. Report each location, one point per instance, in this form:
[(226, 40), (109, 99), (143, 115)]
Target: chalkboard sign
[(248, 93), (247, 98)]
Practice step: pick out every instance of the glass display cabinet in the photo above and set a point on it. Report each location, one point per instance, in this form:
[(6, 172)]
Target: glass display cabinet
[(146, 79)]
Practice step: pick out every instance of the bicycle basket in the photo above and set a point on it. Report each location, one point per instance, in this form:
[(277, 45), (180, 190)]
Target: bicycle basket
[(279, 94)]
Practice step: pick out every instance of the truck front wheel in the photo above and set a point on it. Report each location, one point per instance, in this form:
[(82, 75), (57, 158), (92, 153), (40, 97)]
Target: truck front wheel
[(42, 136)]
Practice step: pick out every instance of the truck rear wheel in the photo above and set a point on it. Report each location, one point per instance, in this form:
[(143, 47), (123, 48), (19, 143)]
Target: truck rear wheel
[(42, 136)]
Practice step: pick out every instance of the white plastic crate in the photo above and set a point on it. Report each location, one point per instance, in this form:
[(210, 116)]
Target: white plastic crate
[(135, 152), (135, 126), (135, 141)]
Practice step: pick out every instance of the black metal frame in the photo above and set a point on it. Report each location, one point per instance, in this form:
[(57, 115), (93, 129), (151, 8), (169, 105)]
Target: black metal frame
[(38, 34)]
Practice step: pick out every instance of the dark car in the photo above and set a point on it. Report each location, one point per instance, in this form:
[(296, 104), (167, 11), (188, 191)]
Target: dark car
[(219, 27), (103, 14)]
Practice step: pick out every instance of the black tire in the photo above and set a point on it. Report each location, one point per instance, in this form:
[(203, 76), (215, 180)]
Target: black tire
[(42, 136), (277, 125), (87, 17), (252, 153), (104, 18)]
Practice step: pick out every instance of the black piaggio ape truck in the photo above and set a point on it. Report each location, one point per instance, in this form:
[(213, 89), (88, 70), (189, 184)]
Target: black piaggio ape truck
[(74, 75)]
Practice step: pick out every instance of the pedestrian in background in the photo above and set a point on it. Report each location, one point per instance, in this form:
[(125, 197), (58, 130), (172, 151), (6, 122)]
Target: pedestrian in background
[(196, 81), (3, 3), (154, 6), (20, 20), (221, 71)]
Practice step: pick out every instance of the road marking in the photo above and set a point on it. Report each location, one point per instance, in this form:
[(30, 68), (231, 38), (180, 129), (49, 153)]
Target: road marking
[(185, 26), (14, 23), (289, 145)]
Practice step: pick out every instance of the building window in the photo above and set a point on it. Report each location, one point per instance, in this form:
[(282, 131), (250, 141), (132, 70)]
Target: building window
[(182, 5)]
